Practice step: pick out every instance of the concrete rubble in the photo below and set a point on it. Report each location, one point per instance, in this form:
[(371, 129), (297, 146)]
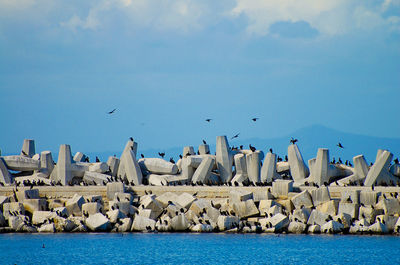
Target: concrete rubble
[(234, 191)]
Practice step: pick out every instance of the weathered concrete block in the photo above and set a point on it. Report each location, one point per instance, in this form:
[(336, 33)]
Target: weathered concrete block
[(46, 162), (47, 228), (188, 151), (253, 162), (115, 215), (96, 178), (240, 164), (317, 217), (74, 205), (332, 227), (352, 196), (378, 228), (15, 222), (282, 166), (123, 197), (63, 224), (165, 197), (301, 215), (239, 195), (379, 172), (32, 205), (149, 202), (329, 207), (28, 148), (303, 199), (298, 168), (264, 205), (98, 222), (349, 208), (321, 167), (368, 213), (130, 146), (369, 197), (5, 176), (39, 217), (389, 220), (344, 219), (282, 187), (91, 208), (395, 170), (273, 210), (132, 168), (180, 223), (125, 226), (21, 163), (124, 207), (13, 207), (320, 195), (185, 200), (203, 172), (79, 157), (390, 206), (113, 164), (245, 208), (63, 170), (224, 158), (204, 149), (314, 229), (158, 166), (297, 227), (141, 223), (99, 167), (27, 194), (227, 222), (114, 187), (268, 170), (199, 205), (279, 222), (259, 195)]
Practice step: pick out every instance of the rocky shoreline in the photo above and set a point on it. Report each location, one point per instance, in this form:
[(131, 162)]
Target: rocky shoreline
[(233, 191)]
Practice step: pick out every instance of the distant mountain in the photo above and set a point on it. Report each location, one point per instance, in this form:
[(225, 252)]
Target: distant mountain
[(310, 139)]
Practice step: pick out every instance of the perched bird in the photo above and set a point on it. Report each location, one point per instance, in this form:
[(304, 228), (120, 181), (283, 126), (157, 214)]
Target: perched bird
[(161, 154), (252, 148), (111, 112), (180, 156), (396, 161), (255, 119), (235, 136), (208, 120), (270, 150), (293, 140), (97, 159), (286, 158), (204, 142), (339, 145), (142, 155), (172, 160), (87, 159), (131, 138), (23, 152)]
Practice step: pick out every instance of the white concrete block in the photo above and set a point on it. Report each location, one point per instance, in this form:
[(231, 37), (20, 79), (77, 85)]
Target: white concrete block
[(379, 172), (303, 199), (245, 208), (180, 222), (204, 149), (79, 157), (46, 162), (94, 177), (21, 163), (114, 187), (321, 167), (132, 168), (188, 151), (282, 187), (297, 227), (317, 217), (349, 208), (224, 159), (298, 168), (227, 222), (91, 208), (28, 147), (5, 176), (98, 222), (320, 195), (203, 172), (113, 164), (253, 162), (99, 167), (279, 222), (74, 205), (268, 170), (63, 171), (185, 200), (141, 223), (158, 166), (332, 227)]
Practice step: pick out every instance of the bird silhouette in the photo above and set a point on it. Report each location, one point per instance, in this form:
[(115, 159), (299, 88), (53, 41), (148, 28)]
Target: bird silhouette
[(204, 142), (161, 154), (396, 161), (252, 148), (339, 145), (97, 159), (172, 160), (23, 152), (208, 120), (142, 155), (255, 119), (293, 140), (111, 112), (131, 138), (270, 150), (235, 136)]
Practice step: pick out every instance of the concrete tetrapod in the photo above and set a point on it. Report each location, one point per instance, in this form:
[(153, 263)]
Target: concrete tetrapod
[(203, 172), (379, 172), (132, 168), (298, 168), (63, 170), (224, 159)]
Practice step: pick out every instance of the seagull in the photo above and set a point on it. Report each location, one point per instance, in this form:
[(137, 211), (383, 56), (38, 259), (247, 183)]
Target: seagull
[(111, 112), (235, 136), (339, 145), (255, 119), (208, 120)]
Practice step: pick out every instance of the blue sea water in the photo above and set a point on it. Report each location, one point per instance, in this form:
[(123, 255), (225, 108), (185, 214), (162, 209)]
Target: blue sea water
[(182, 248)]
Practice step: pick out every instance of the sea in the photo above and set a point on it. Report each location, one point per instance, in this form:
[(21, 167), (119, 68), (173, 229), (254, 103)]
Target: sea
[(189, 248)]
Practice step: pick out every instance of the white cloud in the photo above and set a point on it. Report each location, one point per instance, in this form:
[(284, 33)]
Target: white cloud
[(329, 17)]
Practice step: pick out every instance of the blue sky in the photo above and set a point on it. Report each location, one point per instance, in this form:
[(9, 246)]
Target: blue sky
[(168, 65)]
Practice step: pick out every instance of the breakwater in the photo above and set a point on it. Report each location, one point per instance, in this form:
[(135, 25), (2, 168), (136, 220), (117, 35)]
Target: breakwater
[(235, 190)]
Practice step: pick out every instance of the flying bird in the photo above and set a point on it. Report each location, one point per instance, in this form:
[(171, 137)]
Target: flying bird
[(208, 120), (339, 145), (255, 119), (235, 136), (293, 140), (111, 112)]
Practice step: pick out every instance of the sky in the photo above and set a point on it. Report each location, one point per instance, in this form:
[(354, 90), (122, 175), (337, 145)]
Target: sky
[(166, 66)]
